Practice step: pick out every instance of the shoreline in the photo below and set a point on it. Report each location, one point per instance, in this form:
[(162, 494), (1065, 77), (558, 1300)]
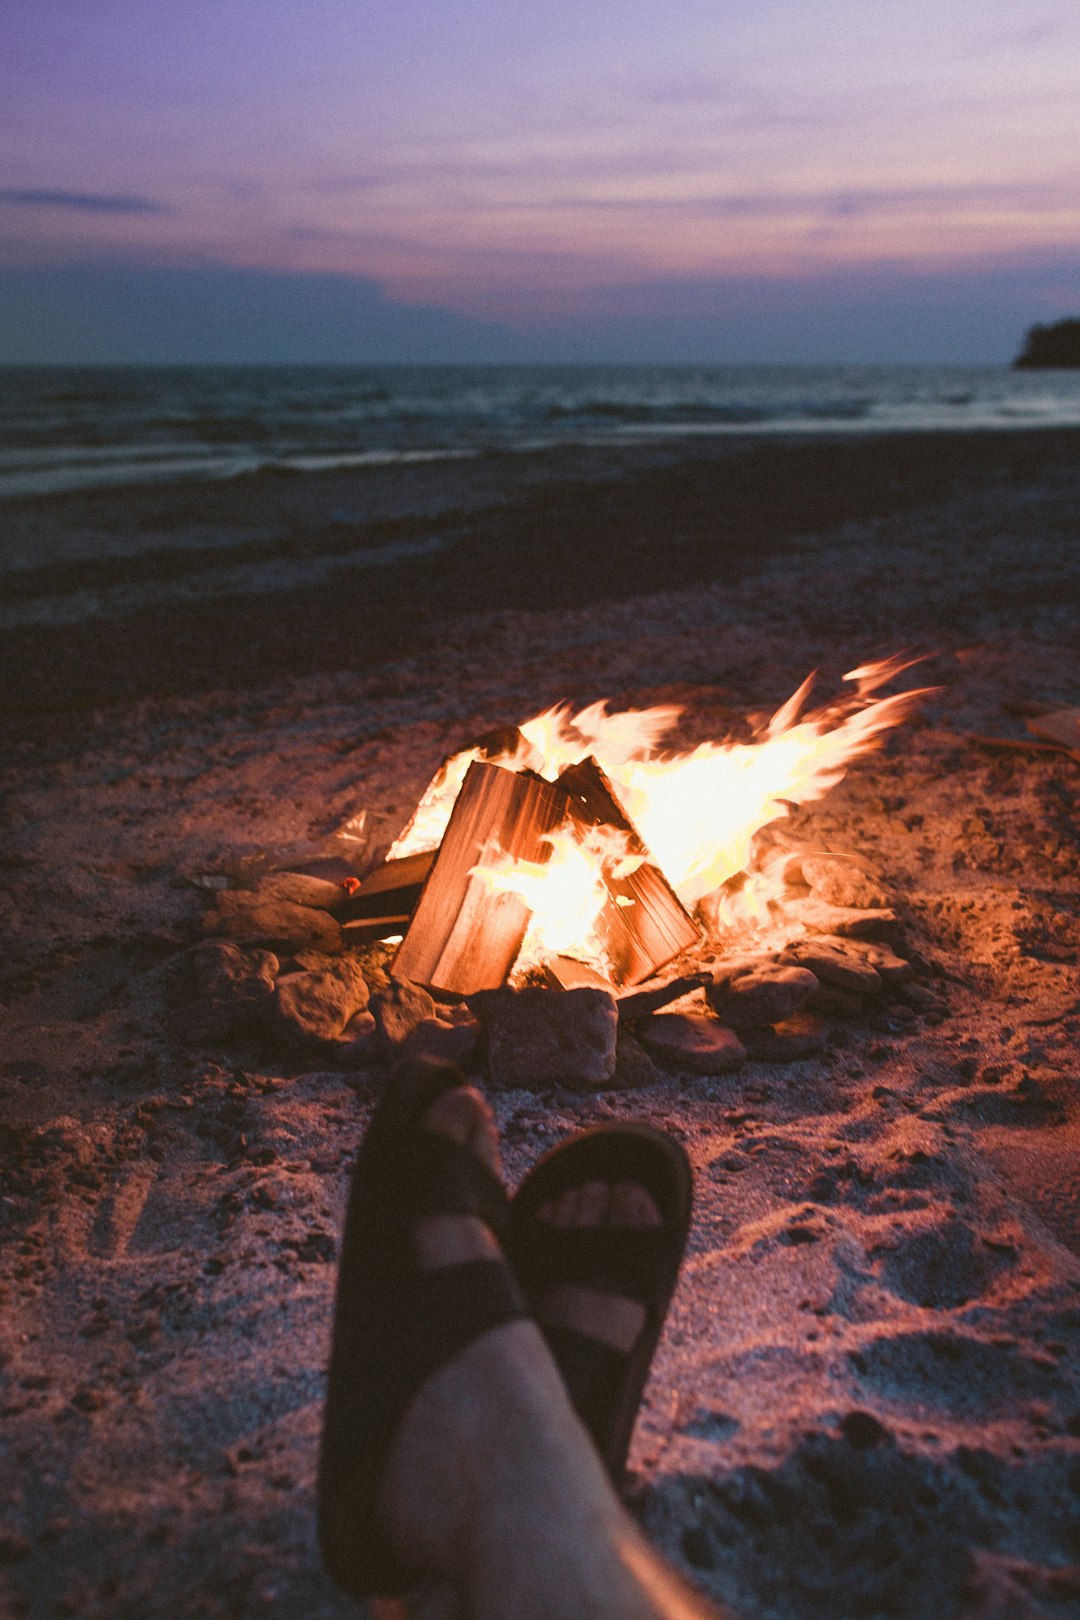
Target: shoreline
[(177, 590)]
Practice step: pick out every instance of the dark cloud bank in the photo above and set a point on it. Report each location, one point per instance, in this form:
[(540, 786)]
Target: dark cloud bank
[(99, 314), (84, 202)]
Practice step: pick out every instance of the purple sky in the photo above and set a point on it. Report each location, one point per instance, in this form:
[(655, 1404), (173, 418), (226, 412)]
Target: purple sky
[(550, 177)]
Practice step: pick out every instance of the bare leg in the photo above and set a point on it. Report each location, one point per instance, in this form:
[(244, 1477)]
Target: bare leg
[(492, 1484)]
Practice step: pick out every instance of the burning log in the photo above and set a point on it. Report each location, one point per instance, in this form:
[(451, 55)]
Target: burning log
[(643, 924), (464, 935), (549, 867), (502, 745)]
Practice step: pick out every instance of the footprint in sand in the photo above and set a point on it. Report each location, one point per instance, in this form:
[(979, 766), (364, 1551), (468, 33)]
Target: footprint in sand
[(943, 1265), (956, 1373), (121, 1209)]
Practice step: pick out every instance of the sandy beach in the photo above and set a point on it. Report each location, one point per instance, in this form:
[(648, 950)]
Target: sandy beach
[(867, 1399)]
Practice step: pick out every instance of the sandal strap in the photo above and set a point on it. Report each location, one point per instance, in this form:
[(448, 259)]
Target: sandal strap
[(593, 1373), (435, 1315), (626, 1260), (446, 1178)]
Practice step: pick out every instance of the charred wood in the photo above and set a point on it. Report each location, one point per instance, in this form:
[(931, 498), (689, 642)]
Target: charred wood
[(567, 973)]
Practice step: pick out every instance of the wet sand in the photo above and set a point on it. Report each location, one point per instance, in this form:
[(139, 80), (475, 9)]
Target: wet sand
[(180, 589), (867, 1400)]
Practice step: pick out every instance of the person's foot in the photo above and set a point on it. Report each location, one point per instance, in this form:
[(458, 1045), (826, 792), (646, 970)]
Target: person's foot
[(505, 1381), (598, 1229), (450, 1240), (611, 1318)]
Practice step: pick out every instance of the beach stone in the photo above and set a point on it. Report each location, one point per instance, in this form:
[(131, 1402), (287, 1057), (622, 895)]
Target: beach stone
[(725, 968), (300, 890), (890, 968), (279, 925), (539, 1037), (641, 1003), (761, 995), (818, 917), (833, 966), (692, 1041), (398, 1010), (797, 1037), (450, 1043), (311, 962), (633, 1065), (844, 880), (316, 1006), (925, 1000), (832, 1002), (234, 987), (358, 1043)]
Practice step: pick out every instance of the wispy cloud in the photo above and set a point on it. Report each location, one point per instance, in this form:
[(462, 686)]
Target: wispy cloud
[(852, 202), (1026, 35), (83, 202)]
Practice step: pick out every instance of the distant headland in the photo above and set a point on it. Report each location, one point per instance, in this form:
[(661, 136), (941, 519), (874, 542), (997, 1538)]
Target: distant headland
[(1049, 346)]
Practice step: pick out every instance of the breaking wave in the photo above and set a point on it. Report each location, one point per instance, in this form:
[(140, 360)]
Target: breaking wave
[(72, 428)]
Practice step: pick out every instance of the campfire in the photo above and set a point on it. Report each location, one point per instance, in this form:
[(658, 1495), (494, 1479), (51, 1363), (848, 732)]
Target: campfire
[(580, 845), (582, 852)]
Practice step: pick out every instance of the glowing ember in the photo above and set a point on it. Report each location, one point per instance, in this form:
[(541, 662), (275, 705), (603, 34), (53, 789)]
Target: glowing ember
[(698, 812)]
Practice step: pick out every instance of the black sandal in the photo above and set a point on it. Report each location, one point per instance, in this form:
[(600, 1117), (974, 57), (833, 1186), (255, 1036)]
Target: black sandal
[(394, 1323), (638, 1262)]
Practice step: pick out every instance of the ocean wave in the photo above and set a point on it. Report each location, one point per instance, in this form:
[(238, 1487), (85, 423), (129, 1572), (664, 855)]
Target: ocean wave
[(367, 458), (75, 428), (642, 412), (837, 410), (116, 470)]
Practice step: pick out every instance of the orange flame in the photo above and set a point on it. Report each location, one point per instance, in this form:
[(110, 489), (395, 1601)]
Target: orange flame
[(566, 894), (698, 812)]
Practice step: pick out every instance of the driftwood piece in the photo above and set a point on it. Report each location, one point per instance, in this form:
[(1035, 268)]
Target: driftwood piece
[(644, 923), (386, 926), (392, 889), (464, 936), (640, 1003)]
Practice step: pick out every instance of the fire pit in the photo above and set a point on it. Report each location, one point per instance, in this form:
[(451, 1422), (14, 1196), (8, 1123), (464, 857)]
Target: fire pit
[(577, 853), (577, 838), (656, 889)]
